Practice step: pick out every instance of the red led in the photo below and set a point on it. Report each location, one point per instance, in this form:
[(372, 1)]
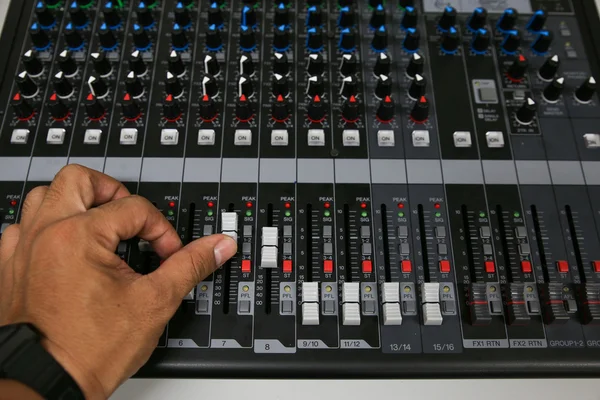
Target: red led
[(210, 204), (437, 205), (13, 203), (171, 204), (287, 205), (249, 204), (363, 205), (326, 205), (400, 205)]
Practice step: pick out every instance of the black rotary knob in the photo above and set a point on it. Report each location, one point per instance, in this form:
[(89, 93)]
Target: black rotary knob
[(280, 85), (415, 65), (316, 109), (247, 39), (585, 92), (450, 41), (215, 15), (346, 18), (214, 42), (349, 65), (526, 113), (134, 85), (141, 40), (246, 64), (130, 108), (248, 17), (378, 17), (245, 87), (21, 107), (182, 16), (314, 40), (316, 65), (73, 38), (420, 111), (383, 64), (380, 39), (211, 65), (244, 110), (58, 109), (383, 88), (45, 16), (409, 18), (108, 40), (98, 86), (281, 64), (411, 40), (386, 110), (179, 39), (171, 109), (26, 85), (61, 85), (315, 86), (481, 41), (554, 89), (78, 15), (282, 15), (349, 87), (537, 21), (94, 108), (281, 40), (137, 64), (507, 20), (518, 68), (210, 87), (173, 85), (548, 70), (144, 15), (32, 63), (350, 110), (511, 42), (111, 15), (478, 19), (66, 63), (101, 64), (542, 43), (280, 111), (417, 87), (448, 19), (39, 38), (314, 17), (176, 66), (208, 109), (347, 42)]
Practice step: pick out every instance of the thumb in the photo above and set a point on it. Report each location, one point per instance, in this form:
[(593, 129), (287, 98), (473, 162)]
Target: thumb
[(193, 263)]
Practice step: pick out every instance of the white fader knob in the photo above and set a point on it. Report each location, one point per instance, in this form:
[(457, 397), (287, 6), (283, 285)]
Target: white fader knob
[(351, 299), (229, 224), (390, 297), (430, 293), (310, 303), (270, 239)]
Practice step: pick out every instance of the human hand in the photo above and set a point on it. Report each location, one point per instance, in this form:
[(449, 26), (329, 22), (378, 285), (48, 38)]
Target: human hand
[(59, 271)]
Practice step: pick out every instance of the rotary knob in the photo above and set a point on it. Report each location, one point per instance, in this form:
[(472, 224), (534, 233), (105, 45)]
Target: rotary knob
[(507, 20), (62, 86), (111, 15), (409, 19), (411, 40), (245, 87), (548, 70), (66, 63), (141, 40), (211, 65), (450, 41), (349, 87), (347, 42), (478, 19), (45, 16), (314, 17), (32, 63), (248, 17), (215, 15), (346, 18), (214, 42), (21, 107), (380, 40), (316, 65), (417, 87), (280, 85), (108, 40), (448, 19), (73, 38), (59, 111), (182, 16), (585, 92), (98, 87), (378, 17), (134, 85), (350, 110), (511, 42), (315, 86), (420, 111), (176, 66), (244, 111), (94, 108), (280, 111), (385, 110), (246, 65), (179, 39), (144, 15), (526, 113), (137, 64), (282, 15), (281, 40), (314, 40), (383, 64), (78, 15), (208, 109), (316, 110), (281, 64), (171, 110), (130, 108), (209, 86), (554, 89), (173, 85), (537, 21), (415, 65), (516, 71), (247, 38), (383, 88), (542, 43), (39, 38), (481, 41), (26, 85), (349, 65), (101, 64)]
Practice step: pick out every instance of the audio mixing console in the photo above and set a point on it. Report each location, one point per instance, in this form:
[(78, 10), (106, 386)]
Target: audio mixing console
[(414, 186)]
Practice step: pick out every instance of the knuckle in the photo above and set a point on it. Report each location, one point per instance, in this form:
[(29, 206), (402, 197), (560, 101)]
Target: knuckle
[(12, 230), (200, 265), (36, 193)]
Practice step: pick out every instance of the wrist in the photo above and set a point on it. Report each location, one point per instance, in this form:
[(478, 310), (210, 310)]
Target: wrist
[(87, 381)]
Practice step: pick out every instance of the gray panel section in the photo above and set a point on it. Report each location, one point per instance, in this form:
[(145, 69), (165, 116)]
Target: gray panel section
[(424, 171), (591, 171), (462, 171), (45, 168), (499, 172), (566, 172), (467, 6), (278, 170), (352, 171), (202, 170), (162, 169), (533, 172), (96, 163), (239, 170), (315, 170), (123, 169), (388, 171), (14, 168)]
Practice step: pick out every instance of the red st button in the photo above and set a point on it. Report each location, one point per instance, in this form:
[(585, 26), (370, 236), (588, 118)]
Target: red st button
[(367, 266)]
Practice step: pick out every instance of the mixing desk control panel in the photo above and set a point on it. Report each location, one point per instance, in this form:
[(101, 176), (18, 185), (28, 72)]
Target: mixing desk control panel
[(414, 185)]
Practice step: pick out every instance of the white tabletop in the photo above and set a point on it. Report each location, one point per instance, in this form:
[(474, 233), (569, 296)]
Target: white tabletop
[(488, 389)]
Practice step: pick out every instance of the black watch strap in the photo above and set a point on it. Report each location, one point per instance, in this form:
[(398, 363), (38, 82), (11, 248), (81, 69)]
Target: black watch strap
[(23, 359)]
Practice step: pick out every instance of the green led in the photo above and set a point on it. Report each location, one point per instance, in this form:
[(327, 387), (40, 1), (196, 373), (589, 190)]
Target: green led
[(11, 211), (401, 214), (86, 6), (288, 214), (327, 213), (517, 214), (248, 213), (190, 6), (364, 214), (209, 213), (481, 214), (438, 214), (170, 213), (59, 4), (153, 5)]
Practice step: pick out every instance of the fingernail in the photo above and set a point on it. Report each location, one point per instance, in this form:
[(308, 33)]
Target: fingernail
[(224, 250)]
